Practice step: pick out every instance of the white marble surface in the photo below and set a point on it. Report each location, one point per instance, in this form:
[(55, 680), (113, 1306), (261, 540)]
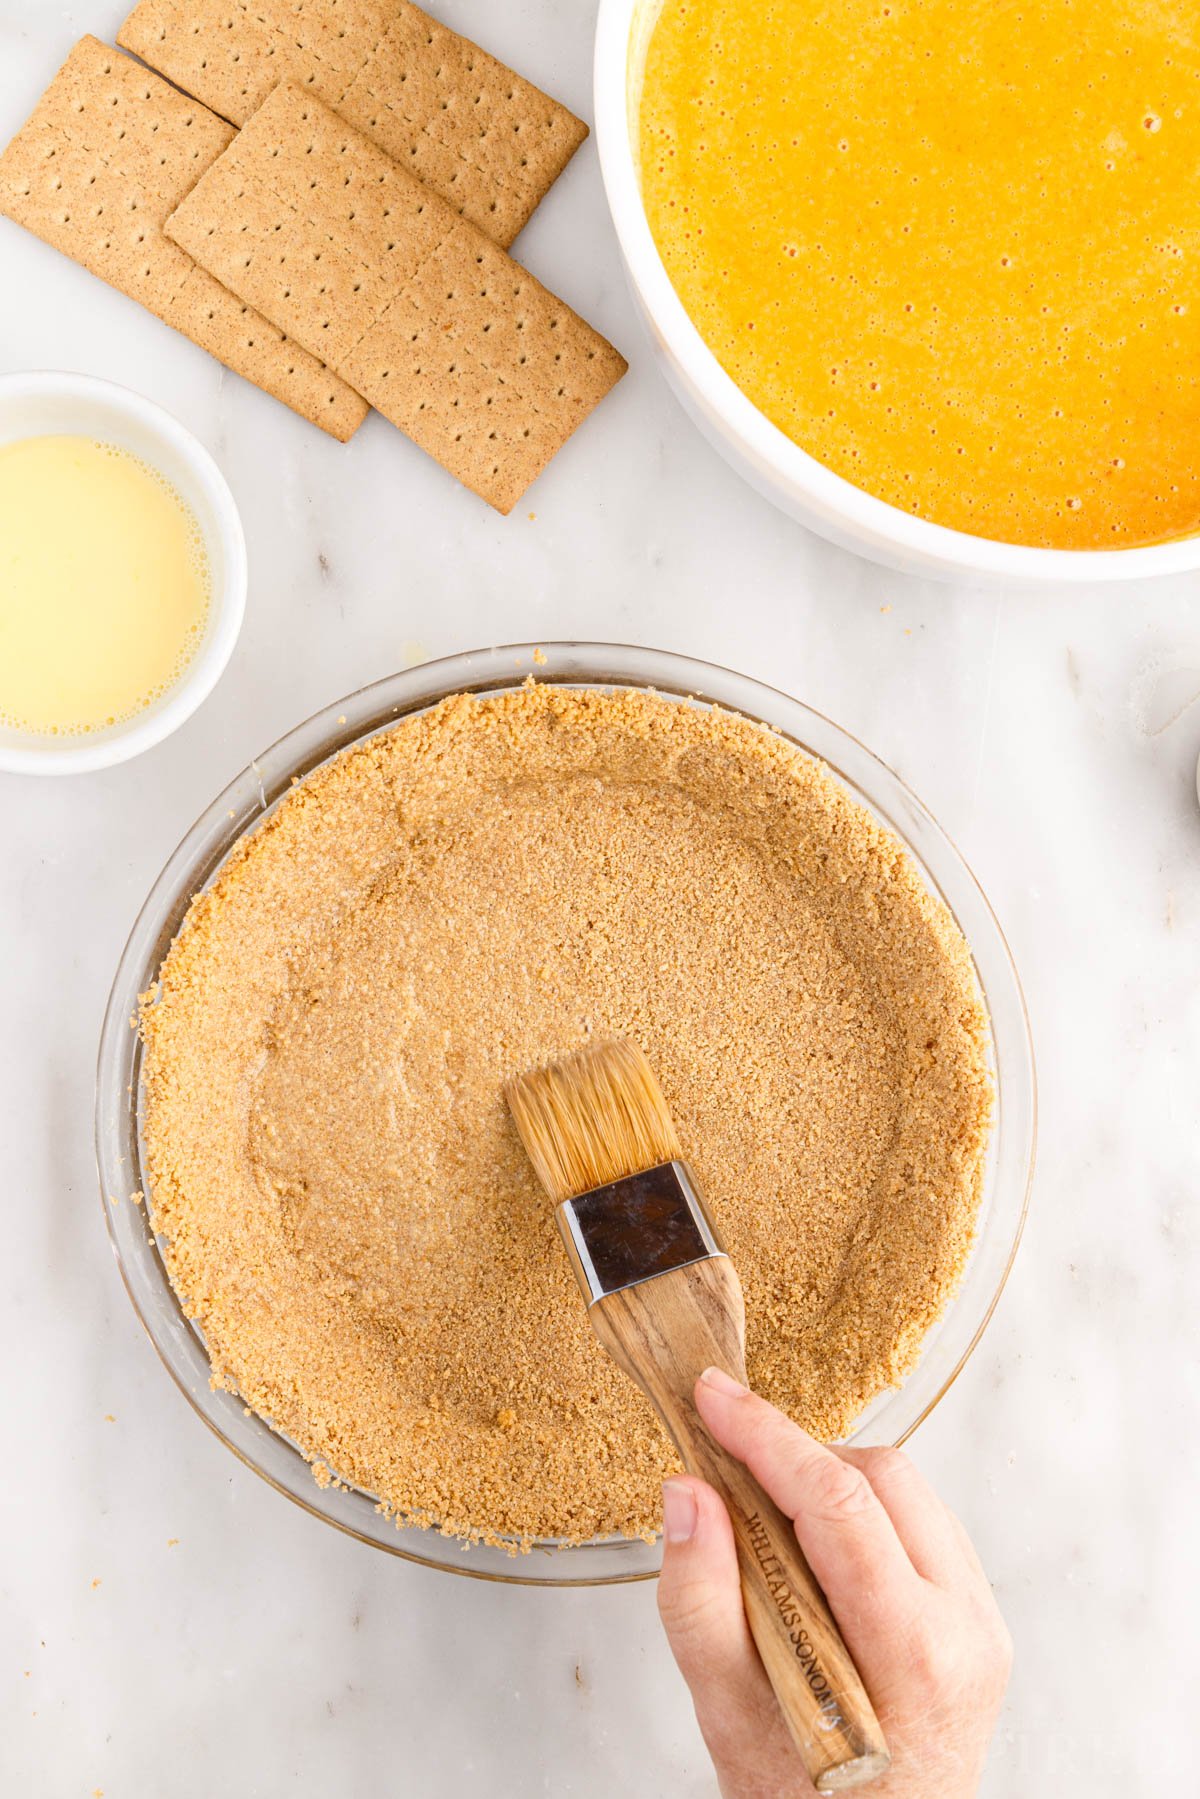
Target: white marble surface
[(169, 1627)]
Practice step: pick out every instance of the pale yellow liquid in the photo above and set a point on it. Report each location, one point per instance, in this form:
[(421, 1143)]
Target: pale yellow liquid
[(104, 585)]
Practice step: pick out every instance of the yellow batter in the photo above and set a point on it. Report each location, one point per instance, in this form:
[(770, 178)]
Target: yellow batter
[(949, 247)]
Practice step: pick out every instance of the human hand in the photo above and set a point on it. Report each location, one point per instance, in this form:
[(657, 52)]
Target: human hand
[(902, 1579)]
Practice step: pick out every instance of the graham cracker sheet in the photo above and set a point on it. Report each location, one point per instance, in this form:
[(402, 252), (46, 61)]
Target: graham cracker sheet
[(421, 312), (488, 142), (108, 152)]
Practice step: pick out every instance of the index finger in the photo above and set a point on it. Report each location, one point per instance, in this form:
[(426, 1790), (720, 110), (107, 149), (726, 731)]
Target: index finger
[(847, 1537)]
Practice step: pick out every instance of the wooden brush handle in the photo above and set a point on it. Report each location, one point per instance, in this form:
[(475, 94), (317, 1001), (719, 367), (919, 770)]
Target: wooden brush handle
[(664, 1332)]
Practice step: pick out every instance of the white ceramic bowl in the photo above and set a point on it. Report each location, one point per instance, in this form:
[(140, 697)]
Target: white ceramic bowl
[(759, 451), (49, 404)]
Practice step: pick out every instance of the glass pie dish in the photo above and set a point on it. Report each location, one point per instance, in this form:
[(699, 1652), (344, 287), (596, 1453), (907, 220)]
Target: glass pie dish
[(892, 1416)]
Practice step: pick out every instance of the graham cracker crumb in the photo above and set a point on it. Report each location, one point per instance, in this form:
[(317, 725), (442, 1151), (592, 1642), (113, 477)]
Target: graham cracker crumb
[(349, 1214)]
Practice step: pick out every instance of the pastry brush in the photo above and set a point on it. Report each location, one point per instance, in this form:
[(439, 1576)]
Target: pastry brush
[(666, 1302)]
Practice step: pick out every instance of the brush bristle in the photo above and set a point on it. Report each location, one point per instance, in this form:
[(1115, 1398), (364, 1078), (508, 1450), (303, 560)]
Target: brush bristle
[(592, 1118)]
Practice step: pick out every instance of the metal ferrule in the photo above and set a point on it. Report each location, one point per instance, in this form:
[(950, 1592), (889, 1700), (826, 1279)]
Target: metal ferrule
[(633, 1229)]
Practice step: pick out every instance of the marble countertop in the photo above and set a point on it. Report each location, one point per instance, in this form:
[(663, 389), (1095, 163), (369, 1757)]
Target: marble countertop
[(170, 1628)]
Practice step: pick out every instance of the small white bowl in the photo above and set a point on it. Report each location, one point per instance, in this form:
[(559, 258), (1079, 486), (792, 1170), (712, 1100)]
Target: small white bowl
[(748, 440), (49, 404)]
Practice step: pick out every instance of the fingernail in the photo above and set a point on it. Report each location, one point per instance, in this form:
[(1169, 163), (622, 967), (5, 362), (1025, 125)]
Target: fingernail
[(679, 1512), (720, 1382)]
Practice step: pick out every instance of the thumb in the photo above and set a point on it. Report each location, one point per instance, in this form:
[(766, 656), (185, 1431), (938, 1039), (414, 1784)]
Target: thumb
[(699, 1592), (700, 1603)]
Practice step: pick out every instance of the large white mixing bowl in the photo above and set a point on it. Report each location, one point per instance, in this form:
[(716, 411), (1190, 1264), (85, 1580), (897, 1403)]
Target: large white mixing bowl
[(748, 440)]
